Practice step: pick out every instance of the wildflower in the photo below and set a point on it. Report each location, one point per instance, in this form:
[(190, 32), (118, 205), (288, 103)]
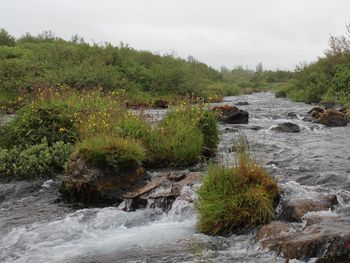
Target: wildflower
[(62, 129)]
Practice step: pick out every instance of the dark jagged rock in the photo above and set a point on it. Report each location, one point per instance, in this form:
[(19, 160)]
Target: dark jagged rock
[(160, 104), (161, 191), (316, 109), (231, 114), (287, 127), (242, 103), (292, 115), (94, 186), (293, 210)]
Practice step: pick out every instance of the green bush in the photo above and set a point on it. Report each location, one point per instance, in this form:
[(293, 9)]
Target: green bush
[(34, 122), (232, 200), (115, 154), (6, 39), (327, 79), (34, 161)]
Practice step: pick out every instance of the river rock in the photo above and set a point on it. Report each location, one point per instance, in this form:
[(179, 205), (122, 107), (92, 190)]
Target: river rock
[(293, 210), (287, 127), (160, 104), (161, 191), (242, 103), (271, 236), (91, 185), (326, 240), (329, 117), (231, 114), (332, 118), (292, 115)]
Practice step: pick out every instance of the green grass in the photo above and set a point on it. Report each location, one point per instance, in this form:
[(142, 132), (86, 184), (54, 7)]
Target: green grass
[(114, 154), (232, 200)]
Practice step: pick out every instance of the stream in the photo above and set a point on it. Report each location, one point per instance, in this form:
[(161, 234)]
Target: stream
[(36, 225)]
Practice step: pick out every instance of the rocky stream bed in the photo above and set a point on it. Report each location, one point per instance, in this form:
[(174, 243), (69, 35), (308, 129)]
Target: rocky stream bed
[(156, 220)]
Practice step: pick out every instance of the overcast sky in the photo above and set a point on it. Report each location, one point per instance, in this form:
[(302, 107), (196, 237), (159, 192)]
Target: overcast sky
[(279, 33)]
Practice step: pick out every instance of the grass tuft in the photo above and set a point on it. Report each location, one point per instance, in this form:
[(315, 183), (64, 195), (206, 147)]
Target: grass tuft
[(234, 199)]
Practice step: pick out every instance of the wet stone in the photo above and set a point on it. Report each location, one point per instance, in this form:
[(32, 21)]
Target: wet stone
[(287, 127)]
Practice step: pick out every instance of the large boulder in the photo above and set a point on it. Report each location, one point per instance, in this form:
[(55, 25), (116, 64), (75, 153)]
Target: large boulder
[(294, 209), (94, 186), (287, 127), (325, 240), (329, 117), (231, 115), (333, 118)]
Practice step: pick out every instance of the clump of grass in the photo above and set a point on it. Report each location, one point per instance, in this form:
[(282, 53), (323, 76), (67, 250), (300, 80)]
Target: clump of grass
[(114, 154), (235, 199), (184, 135)]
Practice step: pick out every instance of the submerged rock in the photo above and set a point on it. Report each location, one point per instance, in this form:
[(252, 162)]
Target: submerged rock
[(231, 114), (287, 127), (292, 115), (242, 103), (160, 104), (91, 185), (293, 210)]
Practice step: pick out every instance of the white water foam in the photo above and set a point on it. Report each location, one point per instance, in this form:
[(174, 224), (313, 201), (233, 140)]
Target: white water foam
[(94, 231)]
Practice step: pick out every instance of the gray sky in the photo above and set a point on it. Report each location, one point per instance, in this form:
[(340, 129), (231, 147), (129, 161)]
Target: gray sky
[(279, 33)]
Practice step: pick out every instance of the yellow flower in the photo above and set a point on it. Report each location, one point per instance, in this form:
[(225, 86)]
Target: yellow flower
[(62, 129)]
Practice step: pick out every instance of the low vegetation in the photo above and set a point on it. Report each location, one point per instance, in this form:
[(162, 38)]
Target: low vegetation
[(235, 199), (39, 160), (103, 132), (326, 80)]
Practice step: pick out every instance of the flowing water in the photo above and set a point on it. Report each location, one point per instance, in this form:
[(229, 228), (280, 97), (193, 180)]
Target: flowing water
[(37, 226)]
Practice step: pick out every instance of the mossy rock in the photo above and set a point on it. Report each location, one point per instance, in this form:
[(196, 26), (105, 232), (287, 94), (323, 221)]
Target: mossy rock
[(95, 186)]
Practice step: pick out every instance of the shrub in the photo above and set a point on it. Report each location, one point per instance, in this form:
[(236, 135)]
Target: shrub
[(34, 161), (6, 39), (114, 154), (281, 93), (32, 123), (235, 199)]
